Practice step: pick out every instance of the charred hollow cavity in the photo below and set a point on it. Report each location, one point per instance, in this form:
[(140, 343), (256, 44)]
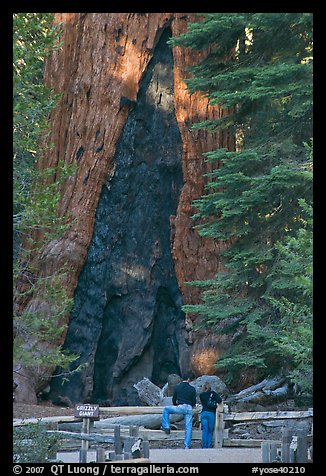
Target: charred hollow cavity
[(127, 321)]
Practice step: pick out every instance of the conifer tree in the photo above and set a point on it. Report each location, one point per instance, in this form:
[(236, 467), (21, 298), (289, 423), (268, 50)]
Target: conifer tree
[(259, 66), (35, 198)]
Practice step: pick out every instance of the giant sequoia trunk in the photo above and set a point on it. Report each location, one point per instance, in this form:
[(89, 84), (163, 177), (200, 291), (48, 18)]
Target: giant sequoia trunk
[(125, 119)]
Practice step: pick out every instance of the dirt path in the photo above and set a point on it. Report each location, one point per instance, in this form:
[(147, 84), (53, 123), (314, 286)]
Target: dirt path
[(220, 455), (193, 456)]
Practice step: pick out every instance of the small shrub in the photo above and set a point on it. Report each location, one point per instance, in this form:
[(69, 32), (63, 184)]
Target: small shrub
[(32, 444)]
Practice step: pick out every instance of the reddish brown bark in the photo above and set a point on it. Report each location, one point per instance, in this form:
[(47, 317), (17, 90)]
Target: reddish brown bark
[(102, 60), (194, 257)]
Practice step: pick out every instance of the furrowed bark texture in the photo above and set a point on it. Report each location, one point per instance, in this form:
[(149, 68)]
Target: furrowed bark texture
[(110, 68)]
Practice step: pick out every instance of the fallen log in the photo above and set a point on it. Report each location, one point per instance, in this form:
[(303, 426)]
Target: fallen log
[(279, 392), (146, 421), (148, 392), (270, 388), (136, 410)]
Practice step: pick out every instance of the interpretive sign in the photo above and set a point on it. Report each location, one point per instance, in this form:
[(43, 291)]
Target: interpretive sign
[(86, 410)]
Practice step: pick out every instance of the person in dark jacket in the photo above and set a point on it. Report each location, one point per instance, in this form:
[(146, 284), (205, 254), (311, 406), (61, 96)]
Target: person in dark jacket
[(184, 399), (208, 414)]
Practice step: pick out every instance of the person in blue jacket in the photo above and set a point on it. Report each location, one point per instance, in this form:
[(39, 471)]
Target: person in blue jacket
[(208, 414)]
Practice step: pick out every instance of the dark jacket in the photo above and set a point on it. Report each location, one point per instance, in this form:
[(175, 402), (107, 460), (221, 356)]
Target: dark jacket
[(204, 396), (184, 393)]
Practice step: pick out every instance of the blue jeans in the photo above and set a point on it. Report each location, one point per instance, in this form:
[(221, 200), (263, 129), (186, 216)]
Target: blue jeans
[(207, 425), (186, 411)]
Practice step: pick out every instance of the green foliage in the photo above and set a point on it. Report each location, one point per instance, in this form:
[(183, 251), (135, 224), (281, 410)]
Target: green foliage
[(32, 101), (32, 444), (37, 194), (34, 36), (37, 207), (291, 295), (258, 196), (37, 329)]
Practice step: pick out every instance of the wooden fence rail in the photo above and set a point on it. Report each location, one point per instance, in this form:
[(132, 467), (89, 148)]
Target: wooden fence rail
[(143, 410)]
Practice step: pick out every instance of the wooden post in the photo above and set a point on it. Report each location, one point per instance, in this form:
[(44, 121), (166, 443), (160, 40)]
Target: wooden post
[(219, 426), (146, 447), (265, 452), (111, 455), (117, 440), (286, 442), (84, 443), (302, 447), (127, 444), (273, 453), (100, 455), (85, 429), (82, 455)]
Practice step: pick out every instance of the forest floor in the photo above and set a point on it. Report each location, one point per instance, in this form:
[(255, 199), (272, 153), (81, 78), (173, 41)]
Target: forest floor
[(41, 410)]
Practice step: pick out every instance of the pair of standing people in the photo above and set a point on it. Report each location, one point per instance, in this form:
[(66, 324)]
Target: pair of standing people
[(184, 399)]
